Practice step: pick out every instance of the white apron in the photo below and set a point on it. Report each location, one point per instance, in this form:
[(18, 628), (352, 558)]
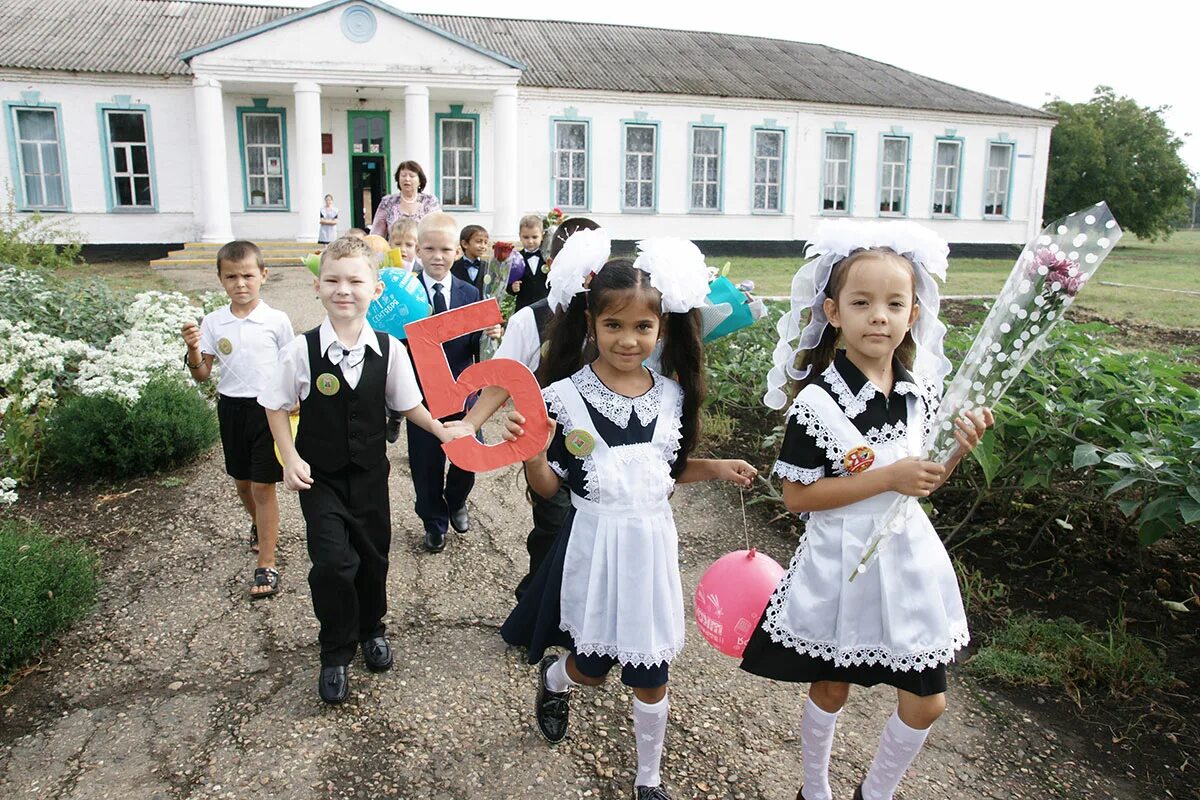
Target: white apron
[(621, 594), (905, 612)]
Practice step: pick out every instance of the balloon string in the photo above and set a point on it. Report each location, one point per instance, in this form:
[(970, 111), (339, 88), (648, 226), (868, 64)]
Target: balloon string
[(745, 525)]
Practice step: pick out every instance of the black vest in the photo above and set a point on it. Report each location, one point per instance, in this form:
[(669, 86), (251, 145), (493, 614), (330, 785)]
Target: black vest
[(348, 426), (541, 316)]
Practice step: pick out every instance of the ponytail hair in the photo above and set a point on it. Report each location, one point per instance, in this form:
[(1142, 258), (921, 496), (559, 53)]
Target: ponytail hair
[(682, 353)]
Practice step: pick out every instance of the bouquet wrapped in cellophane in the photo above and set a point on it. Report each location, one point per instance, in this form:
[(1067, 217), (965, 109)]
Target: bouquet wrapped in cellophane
[(1044, 282)]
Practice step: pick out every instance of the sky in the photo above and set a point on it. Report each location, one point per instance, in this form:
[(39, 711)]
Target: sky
[(1023, 51)]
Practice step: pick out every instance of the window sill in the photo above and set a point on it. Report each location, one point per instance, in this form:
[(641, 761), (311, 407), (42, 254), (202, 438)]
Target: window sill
[(133, 210), (892, 215), (996, 218), (645, 212), (707, 212), (43, 210), (460, 208), (830, 213), (936, 215), (266, 210), (767, 212)]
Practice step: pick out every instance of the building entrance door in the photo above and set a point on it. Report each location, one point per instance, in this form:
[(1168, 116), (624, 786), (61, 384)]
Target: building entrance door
[(368, 164)]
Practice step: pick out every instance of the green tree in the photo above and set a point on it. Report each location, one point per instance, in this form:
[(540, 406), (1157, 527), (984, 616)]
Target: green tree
[(1112, 149)]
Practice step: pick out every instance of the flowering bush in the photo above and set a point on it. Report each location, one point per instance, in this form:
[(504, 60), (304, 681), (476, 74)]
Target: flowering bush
[(86, 309), (34, 241)]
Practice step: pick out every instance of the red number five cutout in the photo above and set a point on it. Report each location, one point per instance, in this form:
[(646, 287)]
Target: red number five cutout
[(445, 396)]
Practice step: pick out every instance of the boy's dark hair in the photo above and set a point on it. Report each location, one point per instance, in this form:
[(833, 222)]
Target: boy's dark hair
[(470, 231), (821, 356), (682, 353), (240, 250), (411, 166), (565, 229)]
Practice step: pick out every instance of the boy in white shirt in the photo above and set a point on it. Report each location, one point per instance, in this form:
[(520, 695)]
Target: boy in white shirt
[(346, 376), (245, 337)]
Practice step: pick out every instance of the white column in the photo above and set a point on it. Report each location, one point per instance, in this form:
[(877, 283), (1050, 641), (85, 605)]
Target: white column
[(306, 160), (214, 182), (504, 114), (416, 129)]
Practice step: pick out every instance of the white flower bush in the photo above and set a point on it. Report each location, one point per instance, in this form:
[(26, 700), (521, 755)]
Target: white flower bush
[(8, 491), (35, 367), (151, 347)]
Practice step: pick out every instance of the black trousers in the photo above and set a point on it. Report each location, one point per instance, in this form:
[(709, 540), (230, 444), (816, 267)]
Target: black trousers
[(548, 518), (349, 534), (439, 490)]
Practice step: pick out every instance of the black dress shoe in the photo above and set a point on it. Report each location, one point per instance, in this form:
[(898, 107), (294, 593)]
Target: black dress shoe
[(650, 793), (461, 520), (393, 427), (377, 652), (334, 684), (858, 793), (435, 540), (551, 709)]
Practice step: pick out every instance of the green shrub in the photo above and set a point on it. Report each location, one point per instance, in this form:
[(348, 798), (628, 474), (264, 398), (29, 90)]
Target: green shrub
[(34, 241), (86, 309), (99, 436), (1029, 651), (736, 366), (45, 584)]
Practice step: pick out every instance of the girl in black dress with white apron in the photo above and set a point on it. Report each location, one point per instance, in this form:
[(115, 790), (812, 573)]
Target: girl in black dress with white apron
[(870, 367), (610, 591)]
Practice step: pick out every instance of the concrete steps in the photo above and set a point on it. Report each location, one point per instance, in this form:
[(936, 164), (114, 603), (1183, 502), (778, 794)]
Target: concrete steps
[(277, 253)]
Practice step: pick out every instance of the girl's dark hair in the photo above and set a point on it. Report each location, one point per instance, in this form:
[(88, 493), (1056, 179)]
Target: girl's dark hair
[(822, 355), (565, 229), (682, 353), (411, 166)]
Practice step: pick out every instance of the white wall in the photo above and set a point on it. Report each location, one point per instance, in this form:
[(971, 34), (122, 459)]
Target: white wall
[(177, 179)]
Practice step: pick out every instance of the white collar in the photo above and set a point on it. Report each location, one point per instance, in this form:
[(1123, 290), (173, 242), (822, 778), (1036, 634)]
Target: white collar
[(617, 408), (446, 282), (366, 337), (854, 403), (257, 314)]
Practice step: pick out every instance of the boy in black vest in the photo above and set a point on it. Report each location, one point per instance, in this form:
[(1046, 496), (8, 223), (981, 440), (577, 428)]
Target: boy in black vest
[(345, 375), (523, 341), (531, 286)]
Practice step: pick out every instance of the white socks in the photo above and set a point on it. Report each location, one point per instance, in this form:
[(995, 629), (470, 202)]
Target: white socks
[(898, 746), (816, 742), (557, 679), (650, 728)]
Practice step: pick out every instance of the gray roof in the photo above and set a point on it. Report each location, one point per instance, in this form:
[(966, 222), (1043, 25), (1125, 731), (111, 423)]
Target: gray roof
[(144, 37)]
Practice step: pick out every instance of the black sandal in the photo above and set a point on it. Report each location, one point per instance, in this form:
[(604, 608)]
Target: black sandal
[(265, 576), (253, 537)]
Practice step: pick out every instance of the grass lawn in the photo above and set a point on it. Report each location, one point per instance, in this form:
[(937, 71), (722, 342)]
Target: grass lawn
[(1173, 264), (133, 276)]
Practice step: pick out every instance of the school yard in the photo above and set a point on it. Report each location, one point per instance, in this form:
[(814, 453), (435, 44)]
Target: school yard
[(176, 686)]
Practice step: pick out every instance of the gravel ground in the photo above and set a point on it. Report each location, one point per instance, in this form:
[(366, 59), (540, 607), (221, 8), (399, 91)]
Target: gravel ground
[(178, 687)]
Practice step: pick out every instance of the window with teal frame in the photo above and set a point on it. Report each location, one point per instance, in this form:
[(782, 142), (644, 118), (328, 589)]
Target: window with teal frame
[(837, 173), (947, 172), (36, 153), (998, 180), (707, 151), (457, 158), (893, 176), (262, 135), (640, 169), (129, 158), (768, 170), (570, 159)]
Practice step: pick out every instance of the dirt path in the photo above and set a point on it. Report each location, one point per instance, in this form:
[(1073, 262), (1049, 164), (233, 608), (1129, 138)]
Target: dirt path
[(178, 687)]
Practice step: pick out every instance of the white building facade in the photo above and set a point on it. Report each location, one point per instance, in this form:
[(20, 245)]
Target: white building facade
[(256, 126)]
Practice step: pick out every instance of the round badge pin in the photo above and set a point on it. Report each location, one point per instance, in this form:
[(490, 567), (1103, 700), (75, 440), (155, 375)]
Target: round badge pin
[(225, 346), (580, 443), (545, 269), (328, 384), (858, 459)]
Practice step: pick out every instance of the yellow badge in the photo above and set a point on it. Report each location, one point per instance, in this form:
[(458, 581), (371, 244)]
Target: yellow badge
[(858, 459), (225, 346), (545, 269), (328, 384), (580, 443)]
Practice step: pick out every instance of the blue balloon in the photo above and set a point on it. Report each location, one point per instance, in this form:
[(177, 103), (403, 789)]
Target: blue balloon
[(403, 301)]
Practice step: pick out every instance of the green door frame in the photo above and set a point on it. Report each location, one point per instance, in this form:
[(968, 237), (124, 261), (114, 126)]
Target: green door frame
[(384, 151)]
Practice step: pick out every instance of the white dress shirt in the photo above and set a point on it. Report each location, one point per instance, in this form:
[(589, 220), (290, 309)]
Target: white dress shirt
[(446, 283), (521, 341), (292, 377), (253, 343)]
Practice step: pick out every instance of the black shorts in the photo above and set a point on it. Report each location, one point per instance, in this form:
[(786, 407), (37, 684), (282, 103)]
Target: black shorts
[(246, 440), (639, 677)]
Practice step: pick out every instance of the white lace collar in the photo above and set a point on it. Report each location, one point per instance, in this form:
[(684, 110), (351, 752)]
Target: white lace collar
[(617, 408), (854, 402)]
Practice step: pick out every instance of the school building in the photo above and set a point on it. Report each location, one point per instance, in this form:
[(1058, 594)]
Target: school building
[(166, 121)]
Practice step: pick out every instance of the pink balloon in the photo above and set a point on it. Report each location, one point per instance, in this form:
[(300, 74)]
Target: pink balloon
[(731, 596)]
